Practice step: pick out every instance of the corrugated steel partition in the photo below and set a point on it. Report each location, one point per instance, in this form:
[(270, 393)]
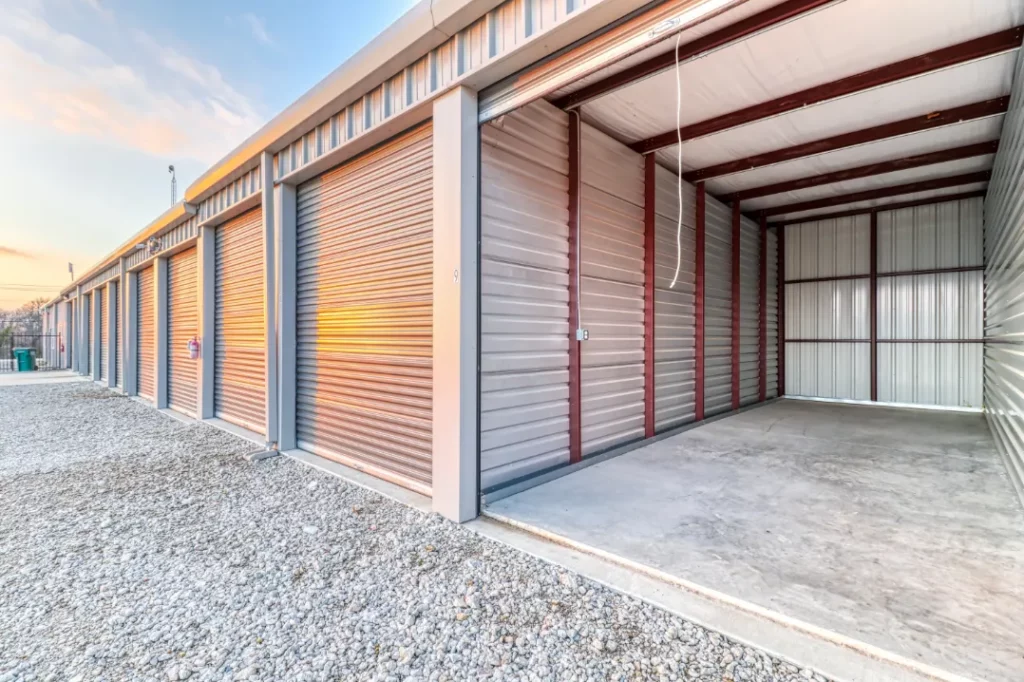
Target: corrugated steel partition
[(524, 294), (182, 325), (825, 319), (772, 314), (611, 292), (1004, 291), (240, 330), (750, 308), (101, 300), (674, 323), (365, 283), (717, 308), (146, 352), (945, 306)]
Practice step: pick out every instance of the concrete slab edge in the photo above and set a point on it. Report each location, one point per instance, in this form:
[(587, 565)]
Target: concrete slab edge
[(236, 430), (831, 654)]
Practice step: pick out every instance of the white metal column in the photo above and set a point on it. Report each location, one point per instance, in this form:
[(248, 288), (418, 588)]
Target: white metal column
[(79, 356), (270, 296), (205, 288), (456, 238), (160, 306), (286, 286), (110, 296)]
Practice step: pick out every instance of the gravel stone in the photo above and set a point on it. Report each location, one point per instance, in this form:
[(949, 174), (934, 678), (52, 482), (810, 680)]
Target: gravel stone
[(136, 547)]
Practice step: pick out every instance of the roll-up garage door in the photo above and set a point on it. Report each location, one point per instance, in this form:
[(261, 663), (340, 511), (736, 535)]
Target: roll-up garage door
[(101, 302), (146, 352), (240, 363), (365, 312), (115, 305), (182, 325)]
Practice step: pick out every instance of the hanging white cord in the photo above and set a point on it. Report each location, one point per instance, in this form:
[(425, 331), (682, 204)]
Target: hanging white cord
[(679, 165)]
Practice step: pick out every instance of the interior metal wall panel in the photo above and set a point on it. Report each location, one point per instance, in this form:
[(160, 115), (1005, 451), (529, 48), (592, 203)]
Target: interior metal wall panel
[(828, 310), (182, 325), (101, 300), (1004, 284), (364, 311), (611, 292), (116, 304), (772, 315), (524, 294), (717, 308), (146, 352), (939, 306), (674, 307), (750, 310), (239, 377)]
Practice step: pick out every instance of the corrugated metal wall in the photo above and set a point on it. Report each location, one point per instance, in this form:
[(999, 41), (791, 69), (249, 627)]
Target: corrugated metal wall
[(182, 325), (101, 300), (365, 288), (524, 294), (772, 315), (717, 308), (1004, 290), (87, 320), (936, 306), (146, 351), (674, 320), (116, 304), (750, 310), (828, 310), (611, 292), (240, 329)]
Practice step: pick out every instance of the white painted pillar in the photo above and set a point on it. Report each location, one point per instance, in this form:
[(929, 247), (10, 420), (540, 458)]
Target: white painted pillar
[(206, 255), (286, 285), (79, 356), (160, 329), (456, 238), (112, 299), (97, 322), (130, 305), (270, 297)]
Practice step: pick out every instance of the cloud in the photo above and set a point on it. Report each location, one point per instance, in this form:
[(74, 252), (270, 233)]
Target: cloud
[(15, 253), (163, 103), (258, 28)]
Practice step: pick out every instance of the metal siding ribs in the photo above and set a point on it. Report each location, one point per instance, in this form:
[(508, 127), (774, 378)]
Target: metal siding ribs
[(146, 352), (182, 325)]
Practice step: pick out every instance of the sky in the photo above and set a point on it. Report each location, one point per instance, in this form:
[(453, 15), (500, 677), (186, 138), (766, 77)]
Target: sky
[(98, 97)]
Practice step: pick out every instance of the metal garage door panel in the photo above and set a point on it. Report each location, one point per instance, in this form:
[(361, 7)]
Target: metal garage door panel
[(240, 362), (101, 301), (717, 307), (365, 281), (146, 355), (88, 321), (182, 325), (115, 303)]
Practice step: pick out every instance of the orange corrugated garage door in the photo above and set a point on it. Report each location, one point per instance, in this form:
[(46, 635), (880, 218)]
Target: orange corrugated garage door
[(182, 325)]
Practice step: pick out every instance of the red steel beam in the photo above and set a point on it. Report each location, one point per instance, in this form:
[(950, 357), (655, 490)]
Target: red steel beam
[(736, 235), (650, 164), (867, 170), (881, 193), (698, 386), (873, 304), (907, 126), (744, 28), (885, 207), (575, 399), (977, 48), (781, 278), (762, 317)]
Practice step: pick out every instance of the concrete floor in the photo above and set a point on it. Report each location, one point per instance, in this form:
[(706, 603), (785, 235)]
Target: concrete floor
[(897, 528)]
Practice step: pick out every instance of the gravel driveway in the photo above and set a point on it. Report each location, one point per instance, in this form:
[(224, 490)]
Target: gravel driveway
[(135, 547)]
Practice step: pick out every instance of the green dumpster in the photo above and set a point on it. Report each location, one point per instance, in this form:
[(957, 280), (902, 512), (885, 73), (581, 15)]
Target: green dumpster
[(25, 359)]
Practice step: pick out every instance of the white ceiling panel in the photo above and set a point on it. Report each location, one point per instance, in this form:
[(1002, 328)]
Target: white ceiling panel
[(916, 196), (936, 171), (937, 139), (842, 40)]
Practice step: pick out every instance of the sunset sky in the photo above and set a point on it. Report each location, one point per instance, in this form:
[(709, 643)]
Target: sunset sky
[(97, 97)]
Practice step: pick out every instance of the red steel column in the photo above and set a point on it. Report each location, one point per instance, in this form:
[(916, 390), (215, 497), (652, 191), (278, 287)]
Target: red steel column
[(649, 266), (699, 309), (873, 304), (781, 277), (575, 417), (736, 236), (762, 315)]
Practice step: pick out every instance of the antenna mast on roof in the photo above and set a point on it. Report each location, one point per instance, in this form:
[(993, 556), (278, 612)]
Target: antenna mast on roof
[(174, 186)]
